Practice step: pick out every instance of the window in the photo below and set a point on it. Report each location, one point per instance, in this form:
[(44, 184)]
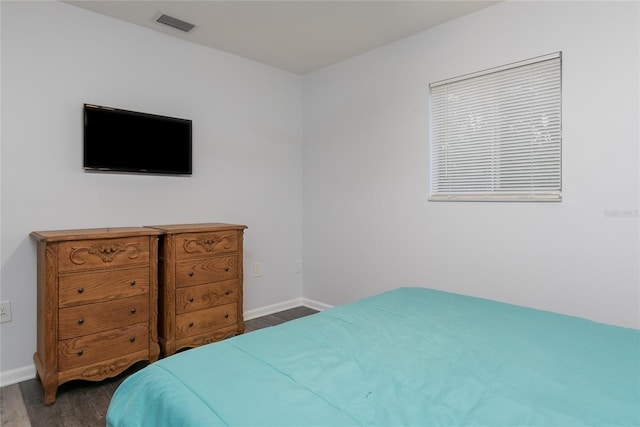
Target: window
[(496, 134)]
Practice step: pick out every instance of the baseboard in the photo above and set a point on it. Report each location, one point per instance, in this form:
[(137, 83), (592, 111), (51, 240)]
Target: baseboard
[(17, 375), (315, 305), (29, 372), (273, 308), (286, 305)]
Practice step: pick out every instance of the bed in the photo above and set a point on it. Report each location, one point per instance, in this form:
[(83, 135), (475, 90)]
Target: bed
[(407, 357)]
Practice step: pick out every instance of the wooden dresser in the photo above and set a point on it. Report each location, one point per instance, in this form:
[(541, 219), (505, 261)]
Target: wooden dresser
[(200, 284), (97, 303)]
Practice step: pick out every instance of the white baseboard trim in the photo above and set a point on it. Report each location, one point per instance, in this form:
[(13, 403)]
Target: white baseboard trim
[(286, 305), (29, 372), (315, 305), (17, 375), (273, 308)]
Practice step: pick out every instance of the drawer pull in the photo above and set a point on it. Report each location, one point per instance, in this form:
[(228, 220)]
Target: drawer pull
[(190, 299), (226, 315), (80, 321), (191, 274), (190, 324), (133, 310), (132, 283), (80, 352), (227, 292), (226, 269), (132, 339), (80, 290)]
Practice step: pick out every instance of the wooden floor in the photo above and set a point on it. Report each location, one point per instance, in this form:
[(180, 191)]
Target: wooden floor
[(85, 403)]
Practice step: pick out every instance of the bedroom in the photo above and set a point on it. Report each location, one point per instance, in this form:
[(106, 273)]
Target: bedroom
[(329, 170)]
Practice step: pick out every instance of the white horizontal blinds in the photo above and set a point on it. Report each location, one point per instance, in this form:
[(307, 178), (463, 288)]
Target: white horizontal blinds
[(497, 134)]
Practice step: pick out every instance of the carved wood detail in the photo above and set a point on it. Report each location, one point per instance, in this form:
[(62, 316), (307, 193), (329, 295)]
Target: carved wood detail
[(107, 251), (208, 243), (106, 370)]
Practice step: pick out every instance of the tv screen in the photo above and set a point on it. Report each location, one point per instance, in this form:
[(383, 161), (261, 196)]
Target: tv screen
[(127, 141)]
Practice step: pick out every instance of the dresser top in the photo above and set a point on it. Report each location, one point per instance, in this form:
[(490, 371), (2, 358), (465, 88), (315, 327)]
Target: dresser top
[(194, 228), (93, 233)]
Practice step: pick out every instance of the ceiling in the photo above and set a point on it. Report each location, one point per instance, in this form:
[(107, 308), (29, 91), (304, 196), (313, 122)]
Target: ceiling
[(296, 36)]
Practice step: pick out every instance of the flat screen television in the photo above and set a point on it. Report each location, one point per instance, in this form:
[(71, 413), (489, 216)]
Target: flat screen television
[(118, 140)]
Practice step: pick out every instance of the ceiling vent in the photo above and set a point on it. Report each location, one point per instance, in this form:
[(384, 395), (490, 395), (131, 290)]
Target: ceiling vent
[(175, 23)]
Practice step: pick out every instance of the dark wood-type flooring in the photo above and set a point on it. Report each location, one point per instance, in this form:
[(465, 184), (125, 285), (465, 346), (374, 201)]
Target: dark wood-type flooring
[(85, 403)]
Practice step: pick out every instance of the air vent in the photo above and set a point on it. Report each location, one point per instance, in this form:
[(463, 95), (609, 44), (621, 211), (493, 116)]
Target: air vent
[(175, 23)]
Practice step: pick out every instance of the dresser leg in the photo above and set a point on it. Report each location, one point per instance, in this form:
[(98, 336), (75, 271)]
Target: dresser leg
[(49, 380), (154, 352), (50, 386), (50, 394), (169, 348)]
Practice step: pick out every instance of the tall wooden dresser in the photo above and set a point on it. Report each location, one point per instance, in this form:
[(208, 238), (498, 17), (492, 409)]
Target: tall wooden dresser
[(200, 284), (97, 303)]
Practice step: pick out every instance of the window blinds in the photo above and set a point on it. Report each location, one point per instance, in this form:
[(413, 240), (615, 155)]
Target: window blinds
[(496, 134)]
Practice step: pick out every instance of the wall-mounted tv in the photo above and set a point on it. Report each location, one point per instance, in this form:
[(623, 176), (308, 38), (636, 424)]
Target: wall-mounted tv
[(118, 140)]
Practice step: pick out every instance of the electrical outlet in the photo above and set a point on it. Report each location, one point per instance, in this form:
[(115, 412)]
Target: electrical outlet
[(257, 269), (5, 311)]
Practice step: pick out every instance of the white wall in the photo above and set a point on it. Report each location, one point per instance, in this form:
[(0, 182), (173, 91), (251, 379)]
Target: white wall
[(247, 128), (368, 226)]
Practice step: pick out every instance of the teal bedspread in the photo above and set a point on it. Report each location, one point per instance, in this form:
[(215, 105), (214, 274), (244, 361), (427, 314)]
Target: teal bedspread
[(408, 357)]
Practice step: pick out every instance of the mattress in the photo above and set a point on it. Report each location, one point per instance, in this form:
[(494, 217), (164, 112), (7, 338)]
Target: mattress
[(407, 357)]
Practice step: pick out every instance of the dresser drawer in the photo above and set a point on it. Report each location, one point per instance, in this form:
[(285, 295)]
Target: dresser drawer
[(196, 245), (105, 345), (91, 318), (102, 253), (87, 288), (194, 298), (202, 321), (206, 270)]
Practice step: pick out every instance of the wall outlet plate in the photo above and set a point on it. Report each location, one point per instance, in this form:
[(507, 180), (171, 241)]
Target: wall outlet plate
[(257, 269), (5, 311)]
